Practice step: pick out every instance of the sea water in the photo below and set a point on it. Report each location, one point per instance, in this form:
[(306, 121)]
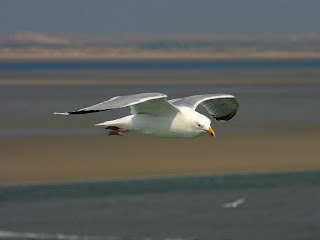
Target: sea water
[(278, 206), (156, 65)]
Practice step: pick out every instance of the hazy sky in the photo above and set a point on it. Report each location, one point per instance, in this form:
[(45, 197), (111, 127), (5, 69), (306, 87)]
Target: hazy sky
[(108, 17)]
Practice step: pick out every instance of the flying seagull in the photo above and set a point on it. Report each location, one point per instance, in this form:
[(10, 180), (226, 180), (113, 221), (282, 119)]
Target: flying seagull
[(234, 204), (152, 114)]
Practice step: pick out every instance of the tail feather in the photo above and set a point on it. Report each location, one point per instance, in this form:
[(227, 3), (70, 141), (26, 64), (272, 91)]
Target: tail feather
[(102, 124), (122, 123)]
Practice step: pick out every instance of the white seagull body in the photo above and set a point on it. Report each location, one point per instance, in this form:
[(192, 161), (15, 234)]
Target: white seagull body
[(152, 114)]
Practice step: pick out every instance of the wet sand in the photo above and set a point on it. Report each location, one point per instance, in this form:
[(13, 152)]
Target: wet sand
[(84, 158), (94, 54)]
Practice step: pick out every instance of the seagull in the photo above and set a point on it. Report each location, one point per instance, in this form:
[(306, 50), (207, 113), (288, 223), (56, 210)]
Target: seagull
[(234, 204), (152, 114)]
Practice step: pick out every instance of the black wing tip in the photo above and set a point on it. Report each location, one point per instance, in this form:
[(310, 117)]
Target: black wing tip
[(225, 117), (79, 112), (85, 111)]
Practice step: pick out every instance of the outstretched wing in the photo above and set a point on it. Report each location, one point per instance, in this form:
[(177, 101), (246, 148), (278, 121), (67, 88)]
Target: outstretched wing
[(221, 106), (147, 103)]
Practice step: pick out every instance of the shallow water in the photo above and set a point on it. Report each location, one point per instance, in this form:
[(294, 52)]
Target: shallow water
[(277, 206), (156, 65)]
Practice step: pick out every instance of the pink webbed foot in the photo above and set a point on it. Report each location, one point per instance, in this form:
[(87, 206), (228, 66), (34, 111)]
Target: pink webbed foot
[(116, 131)]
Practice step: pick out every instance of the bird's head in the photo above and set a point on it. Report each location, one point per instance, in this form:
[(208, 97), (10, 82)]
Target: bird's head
[(202, 124)]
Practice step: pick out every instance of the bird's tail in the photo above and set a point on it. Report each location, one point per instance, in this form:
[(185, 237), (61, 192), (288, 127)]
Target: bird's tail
[(122, 123)]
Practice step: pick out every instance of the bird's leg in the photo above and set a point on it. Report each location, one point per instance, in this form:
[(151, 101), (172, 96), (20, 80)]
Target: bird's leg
[(116, 131), (112, 128), (111, 133), (119, 133)]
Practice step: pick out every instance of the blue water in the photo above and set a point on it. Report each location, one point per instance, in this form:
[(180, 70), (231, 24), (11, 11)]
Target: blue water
[(155, 185), (278, 206), (156, 65)]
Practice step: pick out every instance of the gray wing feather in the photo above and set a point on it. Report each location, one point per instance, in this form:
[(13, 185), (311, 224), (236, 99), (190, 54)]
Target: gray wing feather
[(155, 107), (119, 102), (221, 106)]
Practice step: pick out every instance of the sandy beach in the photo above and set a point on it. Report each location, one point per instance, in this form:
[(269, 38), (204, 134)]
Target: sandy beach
[(83, 158), (94, 54)]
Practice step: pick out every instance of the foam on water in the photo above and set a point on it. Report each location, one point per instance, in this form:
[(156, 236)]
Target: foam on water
[(29, 235), (60, 236)]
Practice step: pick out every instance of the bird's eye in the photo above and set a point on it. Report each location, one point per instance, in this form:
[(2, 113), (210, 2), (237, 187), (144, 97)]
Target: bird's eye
[(199, 125)]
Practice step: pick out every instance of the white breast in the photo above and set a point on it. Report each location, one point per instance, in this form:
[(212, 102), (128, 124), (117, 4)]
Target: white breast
[(178, 125)]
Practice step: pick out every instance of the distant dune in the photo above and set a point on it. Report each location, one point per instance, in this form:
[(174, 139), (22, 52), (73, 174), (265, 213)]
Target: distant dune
[(67, 46)]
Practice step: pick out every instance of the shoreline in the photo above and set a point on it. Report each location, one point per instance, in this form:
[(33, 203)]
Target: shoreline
[(124, 55), (147, 178)]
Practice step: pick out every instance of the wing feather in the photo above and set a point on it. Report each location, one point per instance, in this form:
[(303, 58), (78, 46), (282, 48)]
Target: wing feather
[(221, 106), (139, 103), (155, 107)]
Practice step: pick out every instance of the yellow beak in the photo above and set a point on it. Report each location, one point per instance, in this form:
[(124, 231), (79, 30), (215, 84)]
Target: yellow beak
[(211, 132)]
